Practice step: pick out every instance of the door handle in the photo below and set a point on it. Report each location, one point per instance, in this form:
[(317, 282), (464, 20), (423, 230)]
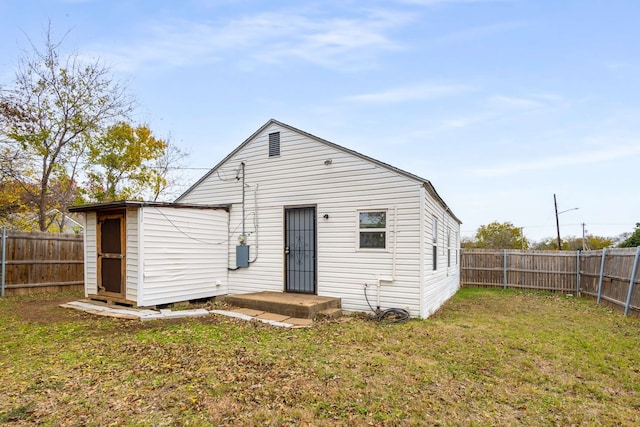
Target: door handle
[(286, 250)]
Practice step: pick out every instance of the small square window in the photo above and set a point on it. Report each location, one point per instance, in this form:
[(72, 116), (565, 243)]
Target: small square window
[(372, 229)]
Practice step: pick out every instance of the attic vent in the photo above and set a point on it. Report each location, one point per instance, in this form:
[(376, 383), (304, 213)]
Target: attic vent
[(274, 144)]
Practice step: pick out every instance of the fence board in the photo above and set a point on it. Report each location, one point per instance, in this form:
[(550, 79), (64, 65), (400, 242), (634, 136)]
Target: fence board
[(555, 271), (43, 262)]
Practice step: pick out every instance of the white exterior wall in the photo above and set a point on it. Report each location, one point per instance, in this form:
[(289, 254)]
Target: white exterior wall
[(299, 177), (438, 285), (183, 254), (90, 255), (132, 258)]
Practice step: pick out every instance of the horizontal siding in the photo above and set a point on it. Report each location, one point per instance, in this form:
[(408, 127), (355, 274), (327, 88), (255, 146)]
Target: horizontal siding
[(185, 254), (132, 255), (299, 178), (90, 255), (441, 284)]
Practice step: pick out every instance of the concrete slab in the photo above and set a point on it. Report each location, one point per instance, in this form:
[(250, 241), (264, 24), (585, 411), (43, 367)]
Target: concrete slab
[(290, 304), (184, 313), (131, 313), (273, 316), (248, 311), (232, 314), (274, 323), (252, 318), (279, 297), (144, 315)]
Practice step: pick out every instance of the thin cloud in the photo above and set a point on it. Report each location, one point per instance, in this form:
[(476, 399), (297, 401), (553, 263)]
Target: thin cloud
[(409, 93), (439, 2), (473, 33), (584, 158), (514, 102), (266, 37)]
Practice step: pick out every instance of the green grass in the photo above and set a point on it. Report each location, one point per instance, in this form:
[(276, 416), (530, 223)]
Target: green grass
[(487, 358)]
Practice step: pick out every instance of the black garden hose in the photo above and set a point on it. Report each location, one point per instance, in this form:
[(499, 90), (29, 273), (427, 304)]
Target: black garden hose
[(390, 315)]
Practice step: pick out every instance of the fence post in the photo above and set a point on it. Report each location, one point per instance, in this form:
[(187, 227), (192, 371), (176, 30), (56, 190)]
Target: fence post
[(4, 258), (633, 279), (604, 254), (577, 273), (504, 262)]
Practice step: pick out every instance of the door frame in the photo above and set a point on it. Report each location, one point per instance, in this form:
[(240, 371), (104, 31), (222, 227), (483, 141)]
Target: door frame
[(315, 247), (102, 215)]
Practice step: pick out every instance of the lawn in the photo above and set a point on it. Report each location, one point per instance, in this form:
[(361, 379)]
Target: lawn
[(487, 358)]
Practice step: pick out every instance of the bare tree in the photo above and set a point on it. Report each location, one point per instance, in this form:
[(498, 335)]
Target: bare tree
[(169, 173), (56, 105)]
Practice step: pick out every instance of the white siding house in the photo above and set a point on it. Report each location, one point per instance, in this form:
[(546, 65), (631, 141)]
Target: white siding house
[(148, 254), (319, 218)]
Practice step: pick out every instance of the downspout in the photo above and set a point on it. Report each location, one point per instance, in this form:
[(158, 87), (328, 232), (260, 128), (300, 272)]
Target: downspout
[(255, 222), (395, 241), (243, 196), (393, 259)]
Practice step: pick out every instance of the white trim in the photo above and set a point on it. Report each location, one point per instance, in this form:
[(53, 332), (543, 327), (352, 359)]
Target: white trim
[(422, 248), (384, 230), (140, 296), (434, 243), (448, 251), (86, 254)]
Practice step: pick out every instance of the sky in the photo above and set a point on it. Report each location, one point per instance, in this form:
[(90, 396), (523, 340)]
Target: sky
[(499, 103)]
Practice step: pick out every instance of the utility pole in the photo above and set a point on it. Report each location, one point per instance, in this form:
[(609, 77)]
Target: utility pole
[(555, 204)]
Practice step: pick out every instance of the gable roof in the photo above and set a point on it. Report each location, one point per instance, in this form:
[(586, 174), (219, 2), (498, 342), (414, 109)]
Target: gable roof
[(426, 183)]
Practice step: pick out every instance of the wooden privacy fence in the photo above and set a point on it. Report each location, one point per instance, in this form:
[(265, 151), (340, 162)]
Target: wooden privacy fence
[(41, 262), (609, 274)]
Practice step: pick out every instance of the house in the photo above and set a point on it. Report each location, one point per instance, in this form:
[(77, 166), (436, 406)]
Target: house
[(286, 211), (309, 216)]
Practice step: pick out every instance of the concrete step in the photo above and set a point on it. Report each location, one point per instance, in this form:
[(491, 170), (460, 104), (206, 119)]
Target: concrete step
[(302, 306), (329, 313)]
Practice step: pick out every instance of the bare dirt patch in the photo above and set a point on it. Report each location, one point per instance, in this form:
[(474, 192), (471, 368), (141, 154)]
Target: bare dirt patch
[(43, 310)]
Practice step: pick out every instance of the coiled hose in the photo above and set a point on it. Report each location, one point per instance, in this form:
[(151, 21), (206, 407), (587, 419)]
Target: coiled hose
[(390, 315)]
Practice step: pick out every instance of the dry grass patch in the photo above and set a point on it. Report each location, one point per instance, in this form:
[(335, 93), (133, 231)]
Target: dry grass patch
[(488, 357)]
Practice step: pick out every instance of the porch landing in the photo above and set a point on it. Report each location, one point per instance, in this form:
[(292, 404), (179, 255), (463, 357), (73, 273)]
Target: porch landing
[(303, 306)]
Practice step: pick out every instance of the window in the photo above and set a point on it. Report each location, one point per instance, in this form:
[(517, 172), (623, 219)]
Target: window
[(274, 144), (434, 234), (448, 247), (372, 230)]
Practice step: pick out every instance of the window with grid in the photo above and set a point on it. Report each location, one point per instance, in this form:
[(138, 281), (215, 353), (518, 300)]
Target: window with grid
[(372, 230)]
